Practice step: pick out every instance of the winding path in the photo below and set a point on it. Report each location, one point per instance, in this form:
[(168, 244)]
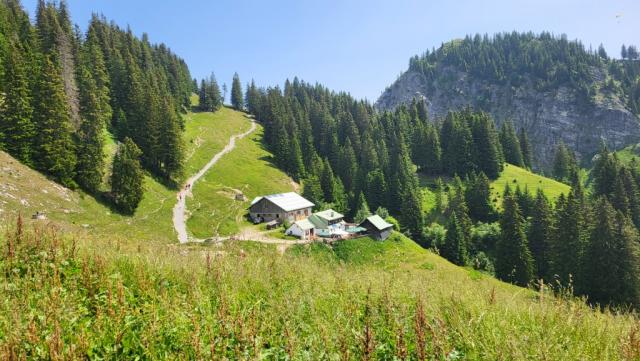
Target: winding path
[(179, 210)]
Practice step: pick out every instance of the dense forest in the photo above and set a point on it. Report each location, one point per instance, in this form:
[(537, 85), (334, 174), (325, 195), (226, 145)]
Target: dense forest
[(352, 158), (546, 60), (65, 92)]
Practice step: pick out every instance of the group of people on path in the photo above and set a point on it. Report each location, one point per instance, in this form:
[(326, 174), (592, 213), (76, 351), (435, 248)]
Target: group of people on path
[(186, 188)]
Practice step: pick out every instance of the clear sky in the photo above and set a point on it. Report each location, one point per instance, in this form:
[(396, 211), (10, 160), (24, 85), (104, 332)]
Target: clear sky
[(359, 46)]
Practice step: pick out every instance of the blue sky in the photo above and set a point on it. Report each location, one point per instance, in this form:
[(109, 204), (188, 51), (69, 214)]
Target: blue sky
[(352, 45)]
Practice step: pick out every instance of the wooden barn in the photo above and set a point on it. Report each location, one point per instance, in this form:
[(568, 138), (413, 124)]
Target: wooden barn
[(281, 207), (377, 227)]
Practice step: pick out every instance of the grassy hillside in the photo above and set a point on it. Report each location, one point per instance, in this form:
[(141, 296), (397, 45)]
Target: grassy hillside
[(360, 300), (629, 153), (23, 190), (516, 176), (247, 169), (512, 175)]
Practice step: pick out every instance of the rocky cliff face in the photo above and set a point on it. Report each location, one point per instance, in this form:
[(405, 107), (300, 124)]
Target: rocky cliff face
[(548, 116)]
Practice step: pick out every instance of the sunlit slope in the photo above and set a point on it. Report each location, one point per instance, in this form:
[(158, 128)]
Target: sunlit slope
[(26, 191), (247, 170)]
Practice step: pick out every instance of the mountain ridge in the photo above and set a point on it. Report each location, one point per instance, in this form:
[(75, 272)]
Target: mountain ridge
[(582, 102)]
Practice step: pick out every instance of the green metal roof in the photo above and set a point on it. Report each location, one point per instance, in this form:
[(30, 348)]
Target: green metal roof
[(320, 223), (378, 222), (304, 224), (329, 215)]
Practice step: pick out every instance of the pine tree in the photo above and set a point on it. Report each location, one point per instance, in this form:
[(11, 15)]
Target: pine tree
[(486, 144), (376, 189), (568, 241), (612, 259), (511, 145), (513, 257), (54, 151), (296, 165), (478, 198), (363, 209), (525, 146), (440, 195), (236, 93), (90, 155), (202, 96), (16, 128), (605, 171), (95, 113), (564, 164), (539, 236), (455, 248), (312, 190), (127, 177)]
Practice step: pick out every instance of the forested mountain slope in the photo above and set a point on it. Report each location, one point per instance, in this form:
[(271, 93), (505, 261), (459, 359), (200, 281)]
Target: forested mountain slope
[(553, 88)]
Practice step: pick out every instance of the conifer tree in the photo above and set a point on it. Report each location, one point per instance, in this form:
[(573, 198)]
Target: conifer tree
[(511, 145), (612, 265), (605, 171), (564, 164), (440, 195), (478, 197), (363, 209), (525, 146), (312, 190), (95, 113), (202, 95), (539, 236), (513, 257), (16, 125), (127, 177), (487, 152), (455, 248), (90, 156), (54, 151), (568, 241), (376, 189), (296, 165), (631, 191), (237, 101)]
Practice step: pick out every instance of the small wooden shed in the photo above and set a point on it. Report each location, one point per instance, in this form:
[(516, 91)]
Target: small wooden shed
[(377, 227)]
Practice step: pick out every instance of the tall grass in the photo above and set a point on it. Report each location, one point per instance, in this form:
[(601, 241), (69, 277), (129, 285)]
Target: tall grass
[(65, 298)]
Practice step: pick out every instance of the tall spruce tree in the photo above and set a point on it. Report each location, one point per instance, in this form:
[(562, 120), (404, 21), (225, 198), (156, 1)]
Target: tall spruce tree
[(455, 245), (612, 259), (90, 155), (568, 242), (237, 101), (525, 146), (362, 209), (16, 126), (127, 177), (513, 258), (511, 145), (478, 198), (54, 151), (487, 146), (539, 235)]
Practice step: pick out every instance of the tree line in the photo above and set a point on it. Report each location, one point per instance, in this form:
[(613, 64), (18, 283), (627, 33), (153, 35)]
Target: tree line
[(351, 157), (586, 242), (64, 92)]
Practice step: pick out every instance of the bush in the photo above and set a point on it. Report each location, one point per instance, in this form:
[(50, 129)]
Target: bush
[(396, 224), (483, 263), (484, 237), (434, 236)]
